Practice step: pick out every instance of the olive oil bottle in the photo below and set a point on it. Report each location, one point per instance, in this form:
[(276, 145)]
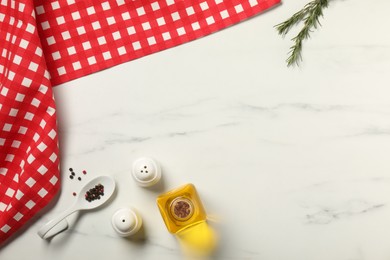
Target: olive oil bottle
[(181, 208), (184, 215)]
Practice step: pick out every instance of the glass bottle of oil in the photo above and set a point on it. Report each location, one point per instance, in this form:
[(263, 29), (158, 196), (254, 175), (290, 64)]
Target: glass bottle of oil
[(181, 208), (184, 215)]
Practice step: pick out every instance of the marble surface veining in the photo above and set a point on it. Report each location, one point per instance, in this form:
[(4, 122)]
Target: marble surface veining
[(291, 163)]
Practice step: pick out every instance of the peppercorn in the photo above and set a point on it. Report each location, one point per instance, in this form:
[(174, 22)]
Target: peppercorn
[(95, 193)]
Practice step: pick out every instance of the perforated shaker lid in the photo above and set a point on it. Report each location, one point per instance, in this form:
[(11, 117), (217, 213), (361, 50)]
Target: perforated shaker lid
[(146, 171), (126, 222)]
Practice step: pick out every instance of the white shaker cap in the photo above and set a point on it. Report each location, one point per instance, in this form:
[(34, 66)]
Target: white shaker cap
[(126, 222), (146, 171)]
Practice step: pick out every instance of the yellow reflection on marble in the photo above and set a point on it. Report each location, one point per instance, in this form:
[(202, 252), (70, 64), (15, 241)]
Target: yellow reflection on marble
[(198, 241)]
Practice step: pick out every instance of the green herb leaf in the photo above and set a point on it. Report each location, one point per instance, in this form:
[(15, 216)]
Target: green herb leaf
[(309, 16)]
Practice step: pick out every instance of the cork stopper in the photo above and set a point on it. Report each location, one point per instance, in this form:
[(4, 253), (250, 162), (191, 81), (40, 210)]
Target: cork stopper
[(182, 209)]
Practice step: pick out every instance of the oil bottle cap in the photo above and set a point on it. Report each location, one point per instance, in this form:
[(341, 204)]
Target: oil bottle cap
[(146, 171)]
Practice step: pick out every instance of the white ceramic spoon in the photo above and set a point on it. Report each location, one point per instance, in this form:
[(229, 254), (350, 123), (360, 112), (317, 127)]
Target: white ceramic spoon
[(81, 203)]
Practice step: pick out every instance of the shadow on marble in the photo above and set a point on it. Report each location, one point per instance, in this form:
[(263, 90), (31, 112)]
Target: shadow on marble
[(140, 238), (158, 187)]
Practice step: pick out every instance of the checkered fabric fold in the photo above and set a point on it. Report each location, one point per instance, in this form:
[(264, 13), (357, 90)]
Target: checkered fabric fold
[(29, 174), (82, 37), (44, 43)]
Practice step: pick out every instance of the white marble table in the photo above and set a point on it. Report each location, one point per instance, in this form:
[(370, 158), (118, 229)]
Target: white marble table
[(291, 163)]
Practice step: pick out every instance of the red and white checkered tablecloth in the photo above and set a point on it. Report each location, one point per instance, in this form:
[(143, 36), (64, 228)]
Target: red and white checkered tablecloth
[(46, 43), (82, 37), (29, 174)]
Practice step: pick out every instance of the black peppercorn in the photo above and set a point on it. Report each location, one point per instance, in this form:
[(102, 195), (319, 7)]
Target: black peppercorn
[(94, 193)]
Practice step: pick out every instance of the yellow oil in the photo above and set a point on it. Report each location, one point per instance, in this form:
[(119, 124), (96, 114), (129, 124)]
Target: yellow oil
[(181, 208), (184, 215), (198, 241)]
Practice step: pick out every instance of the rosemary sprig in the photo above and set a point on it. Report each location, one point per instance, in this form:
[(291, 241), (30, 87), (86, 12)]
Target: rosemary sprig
[(310, 16)]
